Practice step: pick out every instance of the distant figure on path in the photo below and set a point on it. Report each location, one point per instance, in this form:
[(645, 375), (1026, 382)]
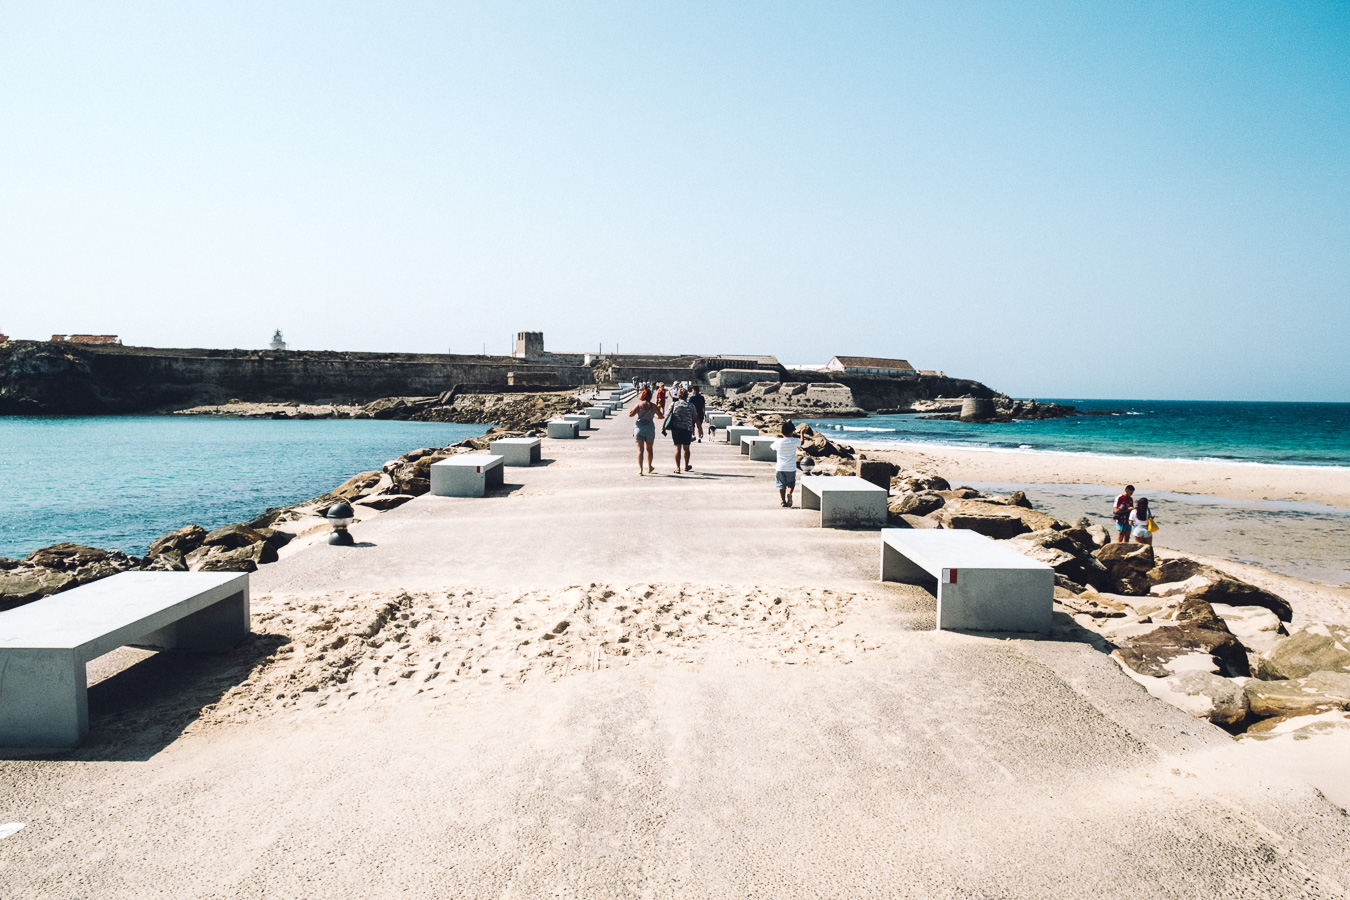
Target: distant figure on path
[(661, 396), (644, 431), (700, 403), (680, 423), (785, 469), (1141, 522), (1124, 504)]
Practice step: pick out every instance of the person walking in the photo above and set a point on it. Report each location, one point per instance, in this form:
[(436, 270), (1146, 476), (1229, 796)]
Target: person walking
[(700, 403), (680, 424), (1141, 522), (1124, 505), (661, 396), (785, 468), (644, 430)]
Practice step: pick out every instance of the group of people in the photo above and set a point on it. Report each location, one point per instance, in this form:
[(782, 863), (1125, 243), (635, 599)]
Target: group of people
[(1133, 518), (684, 423)]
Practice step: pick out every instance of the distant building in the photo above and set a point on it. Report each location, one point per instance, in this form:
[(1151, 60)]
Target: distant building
[(869, 365), (104, 340), (277, 342), (529, 345)]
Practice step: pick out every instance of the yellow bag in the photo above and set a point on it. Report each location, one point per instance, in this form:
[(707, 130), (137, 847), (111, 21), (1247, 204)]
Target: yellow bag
[(1152, 525)]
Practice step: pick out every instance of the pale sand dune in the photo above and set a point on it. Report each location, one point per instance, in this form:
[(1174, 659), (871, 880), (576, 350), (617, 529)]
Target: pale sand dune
[(1238, 481)]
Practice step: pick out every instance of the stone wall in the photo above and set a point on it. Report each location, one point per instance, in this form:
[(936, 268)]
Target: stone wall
[(40, 378)]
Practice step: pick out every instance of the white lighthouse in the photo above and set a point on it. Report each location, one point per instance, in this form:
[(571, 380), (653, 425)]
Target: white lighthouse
[(277, 342)]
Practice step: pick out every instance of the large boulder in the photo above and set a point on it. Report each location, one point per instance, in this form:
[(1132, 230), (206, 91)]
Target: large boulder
[(1173, 649), (1317, 648), (1298, 726), (1232, 592), (919, 481), (220, 558), (358, 485), (1318, 692), (183, 541), (232, 537), (996, 520), (915, 504), (68, 557), (26, 584), (1205, 696), (877, 471), (1069, 558), (1129, 565)]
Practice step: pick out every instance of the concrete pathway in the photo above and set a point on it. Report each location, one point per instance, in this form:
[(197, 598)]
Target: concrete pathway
[(943, 765)]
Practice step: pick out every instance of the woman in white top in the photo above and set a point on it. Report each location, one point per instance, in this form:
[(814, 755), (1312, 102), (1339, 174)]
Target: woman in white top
[(1140, 516)]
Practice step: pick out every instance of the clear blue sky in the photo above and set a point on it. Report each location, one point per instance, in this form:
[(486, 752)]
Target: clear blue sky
[(1080, 199)]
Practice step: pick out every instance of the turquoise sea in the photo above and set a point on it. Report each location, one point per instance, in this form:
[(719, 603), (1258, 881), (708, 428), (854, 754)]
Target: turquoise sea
[(120, 482), (1299, 434)]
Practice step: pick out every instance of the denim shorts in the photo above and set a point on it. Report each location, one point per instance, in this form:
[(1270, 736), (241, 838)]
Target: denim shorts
[(785, 481)]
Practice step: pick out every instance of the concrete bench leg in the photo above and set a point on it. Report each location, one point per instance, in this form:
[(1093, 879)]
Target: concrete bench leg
[(810, 499), (840, 510), (895, 566), (44, 699), (494, 477), (997, 600), (219, 626)]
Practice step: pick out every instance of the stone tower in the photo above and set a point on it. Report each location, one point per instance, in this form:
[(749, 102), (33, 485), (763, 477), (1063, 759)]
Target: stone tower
[(277, 342), (529, 345)]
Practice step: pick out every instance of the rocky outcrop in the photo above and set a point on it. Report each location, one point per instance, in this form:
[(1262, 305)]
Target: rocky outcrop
[(1129, 565), (1313, 693), (1317, 648)]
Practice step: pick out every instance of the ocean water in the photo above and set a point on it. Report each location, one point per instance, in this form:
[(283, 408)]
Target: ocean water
[(120, 482), (1297, 434)]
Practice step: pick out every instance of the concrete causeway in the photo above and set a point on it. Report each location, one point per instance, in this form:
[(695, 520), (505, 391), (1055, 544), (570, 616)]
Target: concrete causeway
[(936, 765)]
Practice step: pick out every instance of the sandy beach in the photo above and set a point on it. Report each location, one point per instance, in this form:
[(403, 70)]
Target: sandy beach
[(1237, 481)]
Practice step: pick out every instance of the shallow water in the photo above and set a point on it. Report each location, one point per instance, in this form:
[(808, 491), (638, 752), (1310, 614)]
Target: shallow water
[(119, 482)]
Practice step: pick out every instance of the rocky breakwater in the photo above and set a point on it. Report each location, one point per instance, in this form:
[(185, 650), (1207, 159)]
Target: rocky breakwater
[(1191, 634), (999, 409)]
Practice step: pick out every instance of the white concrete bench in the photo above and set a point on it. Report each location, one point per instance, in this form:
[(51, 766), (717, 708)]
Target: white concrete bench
[(563, 428), (982, 585), (759, 447), (581, 420), (734, 434), (517, 451), (721, 420), (466, 475), (44, 645), (597, 412), (845, 501)]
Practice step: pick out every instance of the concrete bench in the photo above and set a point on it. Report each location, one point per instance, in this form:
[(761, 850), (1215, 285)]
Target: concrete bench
[(845, 501), (563, 428), (466, 475), (733, 434), (982, 585), (581, 420), (44, 645), (597, 412), (759, 447), (517, 451), (721, 420)]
